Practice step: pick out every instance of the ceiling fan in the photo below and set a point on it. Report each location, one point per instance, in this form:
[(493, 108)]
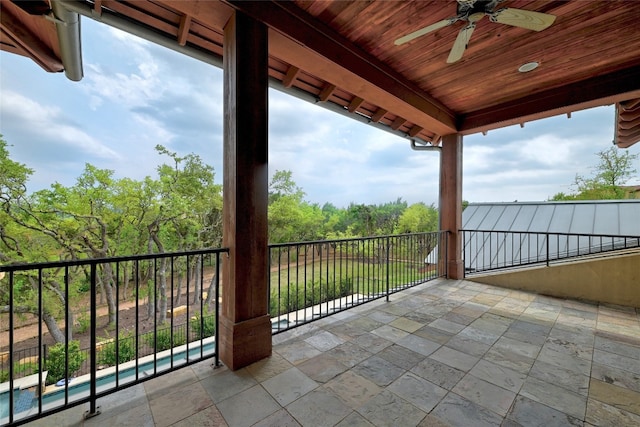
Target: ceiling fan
[(471, 11)]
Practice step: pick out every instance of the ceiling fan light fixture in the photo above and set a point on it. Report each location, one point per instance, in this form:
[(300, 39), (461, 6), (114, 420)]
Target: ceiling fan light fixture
[(529, 66)]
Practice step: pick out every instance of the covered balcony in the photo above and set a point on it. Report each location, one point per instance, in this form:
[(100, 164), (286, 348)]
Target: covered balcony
[(430, 349), (364, 332)]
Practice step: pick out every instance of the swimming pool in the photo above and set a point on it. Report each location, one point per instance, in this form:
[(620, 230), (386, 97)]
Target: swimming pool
[(26, 402)]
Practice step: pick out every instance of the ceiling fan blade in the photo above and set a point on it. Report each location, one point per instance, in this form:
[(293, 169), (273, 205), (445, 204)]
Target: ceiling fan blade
[(425, 30), (522, 18), (460, 45)]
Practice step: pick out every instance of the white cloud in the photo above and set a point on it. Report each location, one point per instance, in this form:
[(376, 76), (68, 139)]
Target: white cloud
[(136, 95), (52, 124)]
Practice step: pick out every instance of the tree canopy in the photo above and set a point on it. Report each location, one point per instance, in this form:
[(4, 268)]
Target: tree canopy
[(614, 169), (180, 209)]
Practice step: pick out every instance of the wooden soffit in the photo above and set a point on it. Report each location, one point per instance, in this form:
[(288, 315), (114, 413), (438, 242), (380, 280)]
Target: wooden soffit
[(342, 54)]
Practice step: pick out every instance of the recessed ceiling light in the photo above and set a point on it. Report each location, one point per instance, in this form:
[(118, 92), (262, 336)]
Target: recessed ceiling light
[(529, 66)]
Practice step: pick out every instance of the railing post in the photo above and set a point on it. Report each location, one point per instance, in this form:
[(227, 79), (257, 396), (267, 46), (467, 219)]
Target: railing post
[(93, 409), (217, 309), (464, 261), (11, 338), (547, 235), (388, 247)]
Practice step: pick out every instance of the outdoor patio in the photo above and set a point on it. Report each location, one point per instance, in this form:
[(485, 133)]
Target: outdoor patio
[(443, 353)]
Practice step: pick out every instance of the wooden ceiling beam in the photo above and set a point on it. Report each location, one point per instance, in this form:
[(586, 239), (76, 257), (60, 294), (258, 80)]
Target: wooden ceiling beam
[(300, 40), (593, 92)]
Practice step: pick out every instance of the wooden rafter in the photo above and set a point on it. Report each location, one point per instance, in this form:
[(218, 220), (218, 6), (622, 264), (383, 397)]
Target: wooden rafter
[(290, 77), (397, 123), (378, 115), (183, 30), (326, 93), (341, 52), (355, 103), (415, 130), (320, 41)]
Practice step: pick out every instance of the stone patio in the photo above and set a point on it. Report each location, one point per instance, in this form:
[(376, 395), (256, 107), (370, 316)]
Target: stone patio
[(443, 353)]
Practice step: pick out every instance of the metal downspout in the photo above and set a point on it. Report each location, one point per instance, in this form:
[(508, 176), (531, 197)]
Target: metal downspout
[(422, 147), (115, 21), (68, 28)]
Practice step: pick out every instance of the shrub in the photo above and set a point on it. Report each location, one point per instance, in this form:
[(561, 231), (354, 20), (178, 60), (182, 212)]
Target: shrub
[(24, 369), (315, 292), (84, 286), (346, 286), (126, 350), (164, 339), (19, 370), (203, 326), (84, 321), (55, 362)]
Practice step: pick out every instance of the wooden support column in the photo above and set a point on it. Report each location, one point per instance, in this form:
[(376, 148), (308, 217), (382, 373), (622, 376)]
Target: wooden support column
[(245, 327), (451, 202)]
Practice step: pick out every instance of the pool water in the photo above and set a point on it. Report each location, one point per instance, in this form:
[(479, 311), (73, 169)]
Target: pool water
[(25, 401)]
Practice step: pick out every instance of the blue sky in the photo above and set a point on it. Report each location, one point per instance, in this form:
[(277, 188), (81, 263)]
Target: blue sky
[(135, 95)]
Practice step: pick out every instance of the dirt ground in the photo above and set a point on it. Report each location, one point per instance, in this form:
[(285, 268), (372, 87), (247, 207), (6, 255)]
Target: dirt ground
[(26, 336)]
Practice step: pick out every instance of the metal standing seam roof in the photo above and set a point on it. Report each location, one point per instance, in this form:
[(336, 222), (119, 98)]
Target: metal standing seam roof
[(617, 217), (513, 226)]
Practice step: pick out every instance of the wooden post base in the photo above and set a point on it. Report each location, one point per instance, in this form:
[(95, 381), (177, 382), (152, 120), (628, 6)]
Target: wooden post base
[(246, 342)]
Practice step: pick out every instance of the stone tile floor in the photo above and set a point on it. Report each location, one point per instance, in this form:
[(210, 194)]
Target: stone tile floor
[(443, 353)]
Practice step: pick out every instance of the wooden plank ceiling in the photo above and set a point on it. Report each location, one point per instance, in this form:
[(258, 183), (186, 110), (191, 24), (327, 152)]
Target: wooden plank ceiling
[(343, 53)]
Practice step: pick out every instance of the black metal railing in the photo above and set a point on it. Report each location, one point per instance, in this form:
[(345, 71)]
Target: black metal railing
[(138, 316), (311, 280), (486, 250), (135, 318)]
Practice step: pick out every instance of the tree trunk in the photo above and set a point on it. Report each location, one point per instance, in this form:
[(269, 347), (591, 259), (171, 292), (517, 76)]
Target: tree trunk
[(198, 280), (53, 327), (179, 290), (211, 293), (163, 291), (105, 280), (100, 287), (126, 278), (150, 300)]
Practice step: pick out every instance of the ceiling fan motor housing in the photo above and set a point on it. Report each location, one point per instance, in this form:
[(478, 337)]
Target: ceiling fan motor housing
[(467, 8)]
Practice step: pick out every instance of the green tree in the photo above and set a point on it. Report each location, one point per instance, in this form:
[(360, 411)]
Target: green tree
[(188, 215), (20, 243), (613, 170), (282, 185), (418, 218), (100, 216), (291, 218)]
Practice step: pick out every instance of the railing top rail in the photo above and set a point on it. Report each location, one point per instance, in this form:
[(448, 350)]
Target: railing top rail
[(352, 239), (554, 233), (90, 261)]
